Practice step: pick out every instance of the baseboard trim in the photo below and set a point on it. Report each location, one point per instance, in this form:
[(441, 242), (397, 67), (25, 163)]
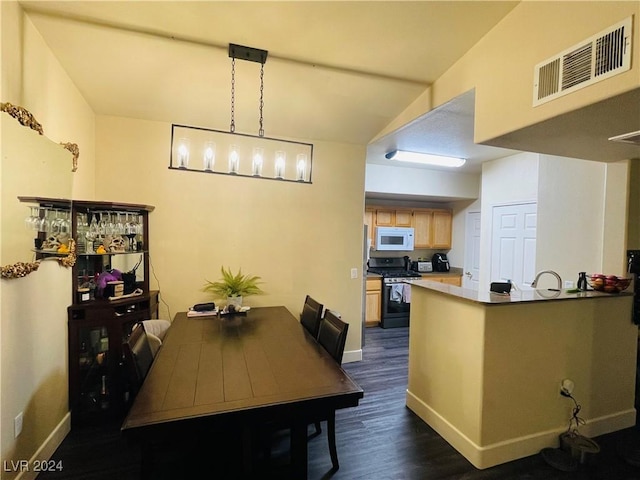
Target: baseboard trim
[(48, 447), (352, 356), (512, 449)]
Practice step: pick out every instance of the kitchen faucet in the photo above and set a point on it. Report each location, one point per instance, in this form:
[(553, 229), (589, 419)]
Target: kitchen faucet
[(535, 281)]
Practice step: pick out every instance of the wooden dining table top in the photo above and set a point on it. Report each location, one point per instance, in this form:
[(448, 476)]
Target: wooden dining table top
[(214, 367)]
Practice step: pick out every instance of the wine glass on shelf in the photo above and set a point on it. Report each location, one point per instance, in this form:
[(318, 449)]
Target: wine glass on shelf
[(92, 232), (102, 224), (31, 222), (64, 225), (55, 223), (119, 225), (44, 223), (131, 230)]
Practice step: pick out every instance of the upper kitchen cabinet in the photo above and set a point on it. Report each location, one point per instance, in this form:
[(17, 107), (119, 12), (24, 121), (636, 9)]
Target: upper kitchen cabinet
[(441, 229), (384, 217), (404, 218), (432, 226)]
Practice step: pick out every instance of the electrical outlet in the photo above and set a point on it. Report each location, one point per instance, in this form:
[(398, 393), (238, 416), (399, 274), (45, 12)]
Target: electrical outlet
[(566, 387), (17, 425), (354, 273), (568, 284)]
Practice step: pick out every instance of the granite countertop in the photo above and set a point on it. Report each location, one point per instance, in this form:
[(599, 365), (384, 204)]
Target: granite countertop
[(519, 296)]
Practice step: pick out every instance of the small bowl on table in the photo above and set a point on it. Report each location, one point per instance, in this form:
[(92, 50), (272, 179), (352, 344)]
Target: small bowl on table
[(608, 283)]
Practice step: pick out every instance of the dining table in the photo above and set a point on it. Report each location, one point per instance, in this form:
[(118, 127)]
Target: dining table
[(238, 372)]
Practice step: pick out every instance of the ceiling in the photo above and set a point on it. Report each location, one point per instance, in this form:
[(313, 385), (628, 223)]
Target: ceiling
[(336, 71)]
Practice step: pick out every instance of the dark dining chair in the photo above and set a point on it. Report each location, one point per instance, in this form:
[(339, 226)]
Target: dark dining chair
[(311, 315), (138, 358), (332, 335)]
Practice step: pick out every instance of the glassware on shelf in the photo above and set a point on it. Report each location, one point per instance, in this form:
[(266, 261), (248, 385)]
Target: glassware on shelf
[(31, 222), (130, 231), (92, 233), (44, 222), (119, 224)]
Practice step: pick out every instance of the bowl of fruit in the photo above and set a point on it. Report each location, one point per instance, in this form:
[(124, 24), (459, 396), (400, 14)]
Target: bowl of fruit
[(608, 283)]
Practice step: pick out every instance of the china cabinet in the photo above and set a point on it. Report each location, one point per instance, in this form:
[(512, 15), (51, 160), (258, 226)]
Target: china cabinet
[(110, 292), (98, 387)]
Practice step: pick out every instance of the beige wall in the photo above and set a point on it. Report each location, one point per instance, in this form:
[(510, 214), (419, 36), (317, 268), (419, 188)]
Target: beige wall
[(571, 207), (500, 66), (33, 332), (300, 238)]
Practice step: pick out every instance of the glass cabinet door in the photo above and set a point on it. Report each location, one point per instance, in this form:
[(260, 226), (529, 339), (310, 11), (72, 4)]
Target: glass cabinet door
[(93, 366)]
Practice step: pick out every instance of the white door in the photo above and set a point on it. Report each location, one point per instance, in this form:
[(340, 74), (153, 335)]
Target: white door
[(513, 245), (471, 277)]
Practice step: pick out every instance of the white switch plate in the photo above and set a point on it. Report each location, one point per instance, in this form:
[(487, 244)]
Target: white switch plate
[(568, 284), (354, 273), (17, 425)]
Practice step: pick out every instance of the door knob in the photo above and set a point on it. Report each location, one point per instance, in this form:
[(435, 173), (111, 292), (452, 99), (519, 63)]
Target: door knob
[(468, 274)]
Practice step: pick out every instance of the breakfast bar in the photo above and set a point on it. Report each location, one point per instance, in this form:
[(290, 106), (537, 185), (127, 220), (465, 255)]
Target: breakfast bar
[(485, 369)]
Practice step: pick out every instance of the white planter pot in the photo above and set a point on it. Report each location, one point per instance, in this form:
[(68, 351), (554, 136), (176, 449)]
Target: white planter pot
[(237, 301)]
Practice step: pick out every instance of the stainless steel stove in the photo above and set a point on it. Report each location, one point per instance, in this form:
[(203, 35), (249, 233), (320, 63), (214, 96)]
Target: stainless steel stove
[(396, 301)]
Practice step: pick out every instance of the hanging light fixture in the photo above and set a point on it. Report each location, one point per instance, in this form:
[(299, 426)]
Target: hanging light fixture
[(248, 155)]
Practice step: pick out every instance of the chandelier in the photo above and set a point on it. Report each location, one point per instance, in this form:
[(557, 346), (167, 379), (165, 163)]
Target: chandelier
[(207, 150)]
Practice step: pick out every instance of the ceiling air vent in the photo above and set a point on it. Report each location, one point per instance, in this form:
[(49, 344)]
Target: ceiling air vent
[(631, 137), (606, 54)]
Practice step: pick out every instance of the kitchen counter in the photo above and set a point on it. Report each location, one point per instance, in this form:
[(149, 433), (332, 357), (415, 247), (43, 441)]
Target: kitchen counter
[(520, 296), (485, 369)]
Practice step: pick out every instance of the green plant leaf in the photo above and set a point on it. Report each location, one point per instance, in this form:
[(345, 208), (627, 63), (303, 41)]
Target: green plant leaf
[(233, 285)]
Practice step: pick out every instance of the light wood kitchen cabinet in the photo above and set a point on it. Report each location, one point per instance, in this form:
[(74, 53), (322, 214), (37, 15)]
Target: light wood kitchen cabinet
[(441, 228), (385, 218), (432, 228), (422, 221), (369, 221), (374, 301), (404, 218)]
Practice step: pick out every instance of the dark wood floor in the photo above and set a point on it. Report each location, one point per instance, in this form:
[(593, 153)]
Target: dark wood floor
[(380, 439)]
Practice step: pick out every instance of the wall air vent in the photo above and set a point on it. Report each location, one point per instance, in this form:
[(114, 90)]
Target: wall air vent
[(604, 55)]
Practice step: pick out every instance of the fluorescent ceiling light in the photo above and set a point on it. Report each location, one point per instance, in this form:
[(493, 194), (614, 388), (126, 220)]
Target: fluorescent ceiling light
[(425, 158)]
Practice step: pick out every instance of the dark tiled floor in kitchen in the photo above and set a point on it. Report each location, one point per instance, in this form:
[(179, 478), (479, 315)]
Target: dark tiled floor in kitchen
[(380, 439)]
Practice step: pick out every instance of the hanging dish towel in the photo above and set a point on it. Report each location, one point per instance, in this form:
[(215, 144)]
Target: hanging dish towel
[(396, 292), (406, 293)]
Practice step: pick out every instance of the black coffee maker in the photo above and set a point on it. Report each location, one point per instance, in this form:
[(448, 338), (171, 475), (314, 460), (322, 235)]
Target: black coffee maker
[(440, 262)]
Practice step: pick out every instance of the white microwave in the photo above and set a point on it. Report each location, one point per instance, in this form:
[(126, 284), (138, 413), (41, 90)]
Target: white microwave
[(394, 238)]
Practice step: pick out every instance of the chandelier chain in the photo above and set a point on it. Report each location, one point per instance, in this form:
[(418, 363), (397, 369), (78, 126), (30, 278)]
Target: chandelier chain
[(232, 127), (261, 131)]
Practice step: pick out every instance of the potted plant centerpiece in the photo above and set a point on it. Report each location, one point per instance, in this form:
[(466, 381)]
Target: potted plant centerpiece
[(234, 287)]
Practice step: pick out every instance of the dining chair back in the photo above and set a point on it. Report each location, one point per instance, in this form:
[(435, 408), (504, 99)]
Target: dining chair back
[(156, 330), (332, 335), (311, 315), (138, 357)]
